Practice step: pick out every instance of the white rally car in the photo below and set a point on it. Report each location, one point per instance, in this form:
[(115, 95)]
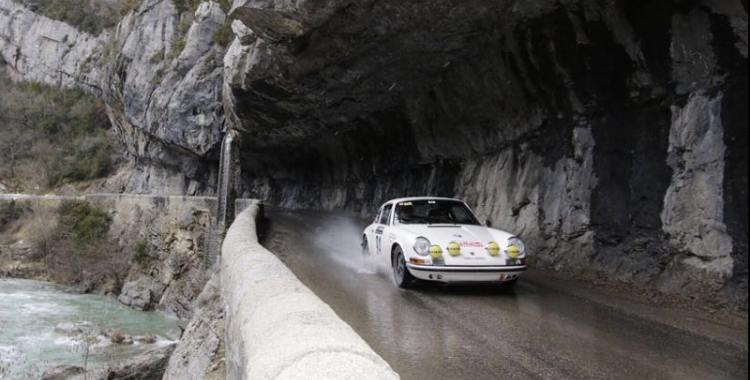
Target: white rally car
[(440, 239)]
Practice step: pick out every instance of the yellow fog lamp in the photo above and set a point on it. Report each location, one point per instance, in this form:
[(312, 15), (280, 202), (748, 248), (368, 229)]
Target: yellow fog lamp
[(514, 252), (493, 248), (454, 249), (436, 252)]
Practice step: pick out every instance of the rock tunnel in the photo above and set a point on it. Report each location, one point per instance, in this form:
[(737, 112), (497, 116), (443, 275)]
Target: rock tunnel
[(611, 135)]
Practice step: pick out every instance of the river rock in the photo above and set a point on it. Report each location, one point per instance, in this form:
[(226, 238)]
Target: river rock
[(117, 336), (150, 339), (147, 366), (137, 294), (62, 372), (68, 328)]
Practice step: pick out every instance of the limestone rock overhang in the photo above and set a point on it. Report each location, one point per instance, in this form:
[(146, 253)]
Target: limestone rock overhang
[(321, 67)]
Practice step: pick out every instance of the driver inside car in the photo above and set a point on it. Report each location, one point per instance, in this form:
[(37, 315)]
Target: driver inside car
[(405, 214)]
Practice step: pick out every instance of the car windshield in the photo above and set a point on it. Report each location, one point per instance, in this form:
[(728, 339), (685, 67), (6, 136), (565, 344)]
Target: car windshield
[(431, 211)]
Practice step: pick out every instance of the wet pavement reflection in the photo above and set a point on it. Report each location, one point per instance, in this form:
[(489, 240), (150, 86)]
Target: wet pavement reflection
[(482, 332)]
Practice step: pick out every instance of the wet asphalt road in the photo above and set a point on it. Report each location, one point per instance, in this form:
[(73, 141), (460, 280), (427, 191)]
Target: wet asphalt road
[(545, 329)]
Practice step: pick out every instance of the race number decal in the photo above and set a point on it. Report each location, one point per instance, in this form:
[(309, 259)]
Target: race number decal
[(378, 240)]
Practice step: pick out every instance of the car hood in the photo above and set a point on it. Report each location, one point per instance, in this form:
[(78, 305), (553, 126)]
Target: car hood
[(472, 239), (465, 235)]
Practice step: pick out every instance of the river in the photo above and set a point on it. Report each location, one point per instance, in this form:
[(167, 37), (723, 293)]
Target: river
[(30, 311)]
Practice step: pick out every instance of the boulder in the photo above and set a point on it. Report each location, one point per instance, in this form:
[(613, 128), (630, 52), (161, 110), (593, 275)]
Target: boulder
[(137, 293), (68, 328), (147, 366), (62, 372)]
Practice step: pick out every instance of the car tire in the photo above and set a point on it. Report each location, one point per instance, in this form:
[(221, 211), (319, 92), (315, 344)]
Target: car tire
[(401, 275), (365, 247)]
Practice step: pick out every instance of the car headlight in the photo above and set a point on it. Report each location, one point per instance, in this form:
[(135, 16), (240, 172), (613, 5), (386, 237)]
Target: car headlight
[(422, 246), (515, 247)]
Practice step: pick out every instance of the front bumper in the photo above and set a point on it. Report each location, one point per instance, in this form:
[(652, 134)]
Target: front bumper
[(466, 273)]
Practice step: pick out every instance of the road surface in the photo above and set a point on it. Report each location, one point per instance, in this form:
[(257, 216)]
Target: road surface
[(546, 329)]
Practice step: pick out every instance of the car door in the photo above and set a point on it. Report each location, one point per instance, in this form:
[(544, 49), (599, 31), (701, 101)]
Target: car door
[(381, 244)]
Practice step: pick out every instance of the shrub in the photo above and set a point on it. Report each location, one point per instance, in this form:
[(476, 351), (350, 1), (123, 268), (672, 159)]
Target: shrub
[(91, 16), (186, 5), (83, 163), (40, 230), (128, 5), (10, 212), (58, 133), (224, 35), (192, 5), (79, 250), (226, 5), (140, 252), (177, 49), (85, 222)]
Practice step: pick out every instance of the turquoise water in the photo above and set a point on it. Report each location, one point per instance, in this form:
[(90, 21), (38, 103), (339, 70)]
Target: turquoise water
[(29, 344)]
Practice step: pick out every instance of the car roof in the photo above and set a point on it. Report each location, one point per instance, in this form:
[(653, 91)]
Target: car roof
[(411, 199)]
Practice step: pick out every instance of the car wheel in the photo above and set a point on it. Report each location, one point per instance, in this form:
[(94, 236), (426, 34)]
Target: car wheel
[(401, 275), (365, 247)]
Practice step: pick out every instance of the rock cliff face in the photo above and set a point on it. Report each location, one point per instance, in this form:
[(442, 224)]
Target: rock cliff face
[(165, 103), (167, 238), (43, 50), (160, 74), (609, 134)]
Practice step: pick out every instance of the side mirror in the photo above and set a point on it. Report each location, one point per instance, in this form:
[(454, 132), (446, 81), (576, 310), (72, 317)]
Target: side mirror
[(488, 223)]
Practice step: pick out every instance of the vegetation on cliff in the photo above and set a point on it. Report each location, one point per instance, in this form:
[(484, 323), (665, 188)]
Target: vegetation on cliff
[(51, 137), (91, 16), (66, 243)]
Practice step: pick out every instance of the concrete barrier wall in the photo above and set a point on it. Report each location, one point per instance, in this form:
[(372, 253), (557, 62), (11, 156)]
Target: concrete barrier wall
[(276, 327)]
